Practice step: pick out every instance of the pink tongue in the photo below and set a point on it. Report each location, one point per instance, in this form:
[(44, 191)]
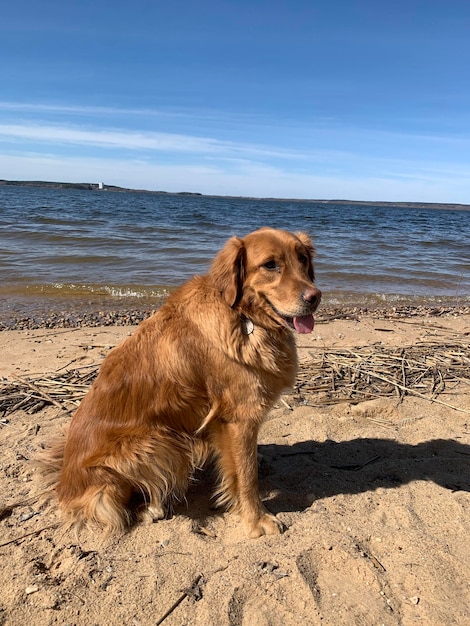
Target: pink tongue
[(304, 324)]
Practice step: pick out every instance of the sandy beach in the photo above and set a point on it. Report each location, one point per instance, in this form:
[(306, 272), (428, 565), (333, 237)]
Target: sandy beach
[(374, 496)]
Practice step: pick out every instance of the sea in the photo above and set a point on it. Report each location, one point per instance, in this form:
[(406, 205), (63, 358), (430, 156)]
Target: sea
[(80, 249)]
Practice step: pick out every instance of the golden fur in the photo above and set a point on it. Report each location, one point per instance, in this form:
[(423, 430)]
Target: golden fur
[(194, 381)]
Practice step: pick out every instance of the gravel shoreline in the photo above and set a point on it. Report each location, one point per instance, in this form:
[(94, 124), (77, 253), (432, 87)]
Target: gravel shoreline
[(126, 317)]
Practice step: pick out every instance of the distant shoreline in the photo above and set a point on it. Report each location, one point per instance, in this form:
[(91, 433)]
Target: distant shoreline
[(97, 187)]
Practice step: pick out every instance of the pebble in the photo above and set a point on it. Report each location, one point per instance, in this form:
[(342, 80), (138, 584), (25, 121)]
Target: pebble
[(91, 319), (125, 317), (24, 517), (31, 589)]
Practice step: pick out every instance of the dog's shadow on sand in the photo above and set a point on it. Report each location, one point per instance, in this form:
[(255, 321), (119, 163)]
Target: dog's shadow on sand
[(292, 477)]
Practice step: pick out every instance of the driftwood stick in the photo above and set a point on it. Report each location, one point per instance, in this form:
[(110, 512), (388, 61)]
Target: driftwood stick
[(34, 532), (39, 391), (184, 595), (416, 393)]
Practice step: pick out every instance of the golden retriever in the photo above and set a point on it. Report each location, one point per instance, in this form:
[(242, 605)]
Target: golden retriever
[(194, 381)]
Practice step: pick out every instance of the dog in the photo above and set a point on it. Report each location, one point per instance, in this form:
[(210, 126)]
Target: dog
[(193, 382)]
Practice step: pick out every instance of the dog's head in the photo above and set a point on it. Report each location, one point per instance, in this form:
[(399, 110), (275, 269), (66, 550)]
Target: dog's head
[(268, 276)]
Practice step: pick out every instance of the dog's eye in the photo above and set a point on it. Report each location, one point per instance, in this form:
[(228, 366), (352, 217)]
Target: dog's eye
[(271, 265), (303, 259)]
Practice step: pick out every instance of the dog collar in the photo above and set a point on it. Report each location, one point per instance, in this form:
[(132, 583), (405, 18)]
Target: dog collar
[(247, 326)]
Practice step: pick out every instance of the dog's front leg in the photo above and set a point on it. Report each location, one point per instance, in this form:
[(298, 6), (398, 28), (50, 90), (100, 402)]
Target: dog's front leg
[(237, 447)]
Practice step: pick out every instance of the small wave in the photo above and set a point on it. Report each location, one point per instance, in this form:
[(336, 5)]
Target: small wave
[(127, 292), (379, 299), (115, 291), (72, 290)]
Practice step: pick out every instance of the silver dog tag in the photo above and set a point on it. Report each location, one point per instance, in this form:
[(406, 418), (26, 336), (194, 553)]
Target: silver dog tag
[(247, 326)]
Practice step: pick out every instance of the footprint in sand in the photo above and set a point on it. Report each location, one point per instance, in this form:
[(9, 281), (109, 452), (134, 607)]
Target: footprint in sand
[(346, 587)]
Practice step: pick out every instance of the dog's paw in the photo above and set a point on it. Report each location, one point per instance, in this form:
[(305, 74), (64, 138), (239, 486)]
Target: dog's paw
[(267, 524), (152, 513)]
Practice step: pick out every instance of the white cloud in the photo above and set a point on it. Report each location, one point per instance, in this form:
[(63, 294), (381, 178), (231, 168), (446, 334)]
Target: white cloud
[(35, 108), (132, 140)]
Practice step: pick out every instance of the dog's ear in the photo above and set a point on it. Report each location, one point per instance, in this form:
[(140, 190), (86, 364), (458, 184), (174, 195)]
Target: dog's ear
[(228, 270), (308, 245)]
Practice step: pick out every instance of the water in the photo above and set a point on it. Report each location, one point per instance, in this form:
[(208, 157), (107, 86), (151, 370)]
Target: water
[(74, 248)]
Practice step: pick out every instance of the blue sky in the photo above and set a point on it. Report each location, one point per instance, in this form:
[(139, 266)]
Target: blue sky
[(365, 100)]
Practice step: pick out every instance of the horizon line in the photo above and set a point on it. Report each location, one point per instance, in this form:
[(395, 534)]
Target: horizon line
[(105, 187)]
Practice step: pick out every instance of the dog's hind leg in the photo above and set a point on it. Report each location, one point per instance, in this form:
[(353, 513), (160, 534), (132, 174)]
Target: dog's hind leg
[(104, 505), (162, 471)]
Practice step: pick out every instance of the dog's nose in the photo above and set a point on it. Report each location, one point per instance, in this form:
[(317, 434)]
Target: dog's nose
[(312, 296)]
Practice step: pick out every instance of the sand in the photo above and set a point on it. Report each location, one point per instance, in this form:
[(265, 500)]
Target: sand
[(374, 497)]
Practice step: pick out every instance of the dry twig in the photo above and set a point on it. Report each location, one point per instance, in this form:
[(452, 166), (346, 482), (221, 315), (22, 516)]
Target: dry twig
[(333, 376), (330, 376), (63, 390), (190, 592)]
